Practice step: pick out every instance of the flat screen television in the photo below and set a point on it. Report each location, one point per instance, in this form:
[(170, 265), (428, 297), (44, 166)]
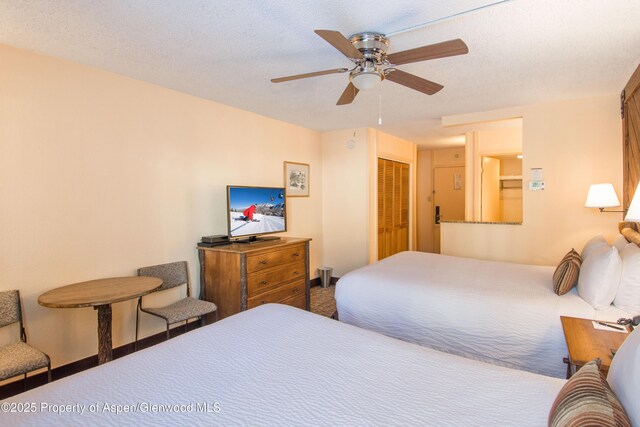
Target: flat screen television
[(255, 211)]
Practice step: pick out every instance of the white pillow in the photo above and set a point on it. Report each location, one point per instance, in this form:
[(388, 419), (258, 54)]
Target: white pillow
[(600, 276), (620, 243), (593, 243), (624, 376), (628, 296)]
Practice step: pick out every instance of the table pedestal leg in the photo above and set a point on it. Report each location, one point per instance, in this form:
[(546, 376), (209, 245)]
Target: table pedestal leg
[(104, 334)]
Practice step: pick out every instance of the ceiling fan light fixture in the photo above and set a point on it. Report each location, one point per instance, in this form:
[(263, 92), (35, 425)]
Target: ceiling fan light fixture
[(366, 80), (368, 51)]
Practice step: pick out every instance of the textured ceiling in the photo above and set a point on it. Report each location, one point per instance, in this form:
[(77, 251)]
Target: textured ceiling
[(520, 52)]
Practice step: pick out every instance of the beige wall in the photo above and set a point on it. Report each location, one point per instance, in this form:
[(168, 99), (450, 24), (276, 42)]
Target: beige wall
[(394, 148), (345, 206), (510, 166), (448, 157), (101, 174), (350, 196), (577, 143), (500, 141), (424, 214), (472, 194)]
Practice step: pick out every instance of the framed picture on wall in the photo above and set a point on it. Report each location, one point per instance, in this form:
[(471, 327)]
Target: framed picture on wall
[(296, 179)]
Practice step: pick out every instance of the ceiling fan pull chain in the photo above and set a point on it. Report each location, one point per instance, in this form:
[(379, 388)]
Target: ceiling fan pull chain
[(380, 109)]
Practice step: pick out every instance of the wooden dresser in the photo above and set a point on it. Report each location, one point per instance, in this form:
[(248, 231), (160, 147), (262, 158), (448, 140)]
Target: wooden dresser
[(237, 277)]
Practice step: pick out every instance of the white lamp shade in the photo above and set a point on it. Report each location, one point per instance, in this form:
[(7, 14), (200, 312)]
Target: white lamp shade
[(366, 80), (633, 214), (602, 196)]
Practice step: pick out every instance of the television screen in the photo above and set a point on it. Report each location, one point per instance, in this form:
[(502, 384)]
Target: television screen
[(255, 210)]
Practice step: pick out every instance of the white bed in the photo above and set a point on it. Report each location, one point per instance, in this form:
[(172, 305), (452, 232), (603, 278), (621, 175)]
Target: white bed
[(501, 313), (277, 365)]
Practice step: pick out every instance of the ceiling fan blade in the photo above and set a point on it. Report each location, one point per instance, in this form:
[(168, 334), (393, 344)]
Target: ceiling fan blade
[(348, 95), (306, 75), (432, 51), (413, 82), (340, 42)]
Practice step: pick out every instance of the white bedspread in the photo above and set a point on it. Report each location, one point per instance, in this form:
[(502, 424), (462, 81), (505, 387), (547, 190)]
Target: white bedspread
[(502, 313), (277, 365)]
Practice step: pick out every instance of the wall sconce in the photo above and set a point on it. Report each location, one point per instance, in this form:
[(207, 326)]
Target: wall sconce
[(633, 213), (603, 196)]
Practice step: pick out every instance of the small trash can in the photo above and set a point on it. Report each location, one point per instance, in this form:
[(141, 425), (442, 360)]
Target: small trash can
[(325, 276)]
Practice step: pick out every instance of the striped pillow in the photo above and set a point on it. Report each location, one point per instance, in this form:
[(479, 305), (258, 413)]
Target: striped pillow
[(587, 400), (566, 275)]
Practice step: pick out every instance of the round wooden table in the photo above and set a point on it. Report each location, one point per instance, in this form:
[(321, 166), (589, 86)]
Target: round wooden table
[(100, 294)]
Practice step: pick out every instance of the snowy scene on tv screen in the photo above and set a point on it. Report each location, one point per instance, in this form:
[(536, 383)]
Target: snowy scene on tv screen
[(254, 210)]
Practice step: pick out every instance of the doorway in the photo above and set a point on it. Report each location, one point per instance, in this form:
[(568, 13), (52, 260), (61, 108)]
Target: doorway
[(501, 188), (393, 207), (448, 198)]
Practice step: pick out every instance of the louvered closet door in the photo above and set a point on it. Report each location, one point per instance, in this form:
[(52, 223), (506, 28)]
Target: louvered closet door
[(381, 211), (393, 207), (401, 200), (631, 128)]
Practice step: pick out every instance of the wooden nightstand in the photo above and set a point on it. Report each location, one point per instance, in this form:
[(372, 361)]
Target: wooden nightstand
[(586, 343)]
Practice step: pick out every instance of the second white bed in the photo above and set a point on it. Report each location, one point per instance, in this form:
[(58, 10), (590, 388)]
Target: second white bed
[(277, 365), (502, 313)]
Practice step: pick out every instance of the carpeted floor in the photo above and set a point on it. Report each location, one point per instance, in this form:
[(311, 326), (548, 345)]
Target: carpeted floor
[(323, 301)]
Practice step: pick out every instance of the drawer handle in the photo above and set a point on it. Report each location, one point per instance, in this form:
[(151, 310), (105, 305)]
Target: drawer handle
[(296, 254), (264, 282), (295, 273), (263, 302), (296, 290), (264, 261)]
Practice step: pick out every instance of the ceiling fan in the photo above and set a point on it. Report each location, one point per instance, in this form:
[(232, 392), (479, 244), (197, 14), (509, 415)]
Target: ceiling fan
[(368, 51)]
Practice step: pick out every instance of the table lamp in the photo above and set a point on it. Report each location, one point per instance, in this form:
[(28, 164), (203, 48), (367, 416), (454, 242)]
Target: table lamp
[(633, 213), (602, 196)]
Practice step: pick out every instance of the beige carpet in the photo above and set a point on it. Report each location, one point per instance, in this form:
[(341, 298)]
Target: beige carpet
[(323, 301)]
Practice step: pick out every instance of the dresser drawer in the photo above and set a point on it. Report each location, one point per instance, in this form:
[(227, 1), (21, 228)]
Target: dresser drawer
[(263, 281), (275, 258), (278, 294), (298, 301)]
